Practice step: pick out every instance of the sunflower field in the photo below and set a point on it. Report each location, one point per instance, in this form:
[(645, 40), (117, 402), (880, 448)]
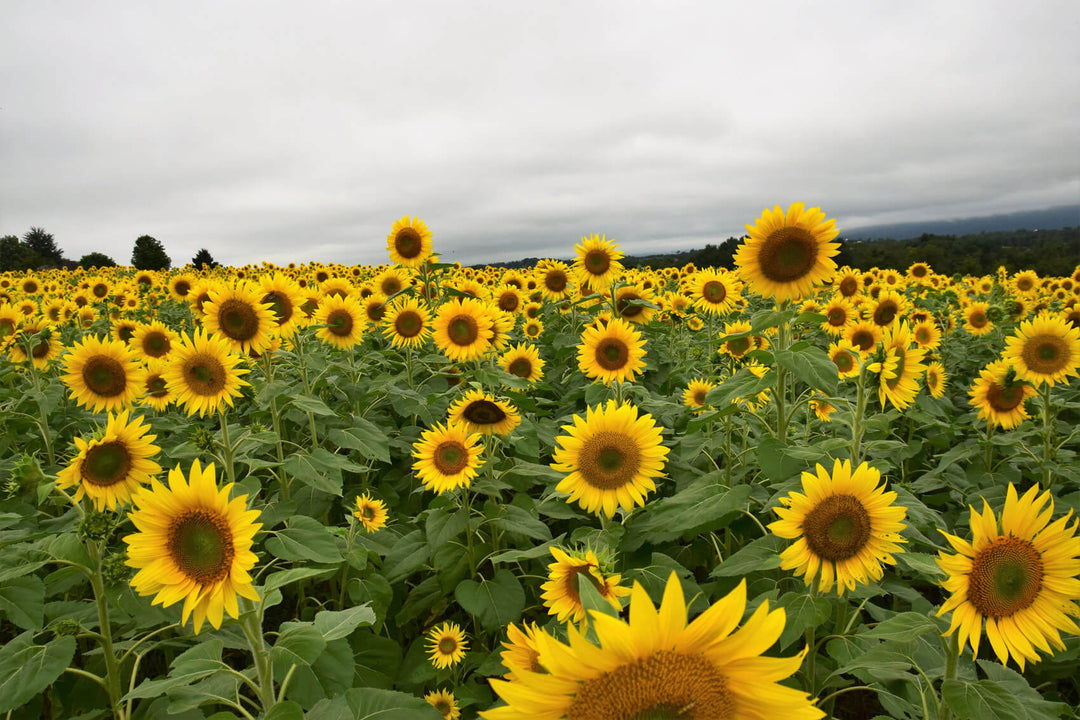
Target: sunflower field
[(417, 490)]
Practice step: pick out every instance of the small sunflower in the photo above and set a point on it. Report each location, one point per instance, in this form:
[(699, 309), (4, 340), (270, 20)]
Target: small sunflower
[(936, 378), (446, 645), (239, 315), (863, 335), (479, 412), (630, 304), (521, 653), (839, 313), (714, 291), (203, 374), (597, 264), (445, 702), (533, 328), (370, 512), (409, 242), (611, 456), (561, 594), (926, 334), (391, 281), (103, 375), (447, 457), (848, 282), (822, 409), (179, 286), (35, 342), (523, 361), (407, 323), (975, 320), (463, 329), (739, 346), (153, 340), (901, 388), (109, 468), (193, 544), (344, 321), (508, 299), (695, 393), (787, 254), (1023, 579), (845, 357), (999, 395), (844, 526), (1046, 349), (156, 389), (612, 352)]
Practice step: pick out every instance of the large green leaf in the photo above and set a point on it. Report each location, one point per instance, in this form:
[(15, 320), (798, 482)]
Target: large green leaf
[(903, 627), (761, 554), (26, 669), (982, 700), (812, 365), (298, 644), (334, 624), (699, 508), (22, 599), (495, 603), (365, 437), (373, 704), (304, 539)]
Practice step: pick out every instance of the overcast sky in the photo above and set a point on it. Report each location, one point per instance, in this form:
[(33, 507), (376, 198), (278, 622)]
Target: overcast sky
[(287, 131)]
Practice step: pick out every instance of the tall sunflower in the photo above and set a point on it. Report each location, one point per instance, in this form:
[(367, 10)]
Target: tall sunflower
[(193, 544), (999, 395), (409, 242), (344, 321), (554, 279), (561, 593), (844, 526), (153, 340), (597, 264), (611, 352), (103, 375), (787, 254), (407, 323), (447, 457), (203, 374), (238, 314), (1044, 350), (1023, 579), (901, 387), (463, 329), (112, 465), (714, 291), (479, 412), (611, 456), (523, 361), (656, 665)]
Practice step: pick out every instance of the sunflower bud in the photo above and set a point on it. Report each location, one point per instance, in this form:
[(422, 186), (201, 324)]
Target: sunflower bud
[(97, 526)]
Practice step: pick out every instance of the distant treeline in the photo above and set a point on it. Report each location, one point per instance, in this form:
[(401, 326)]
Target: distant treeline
[(1047, 252)]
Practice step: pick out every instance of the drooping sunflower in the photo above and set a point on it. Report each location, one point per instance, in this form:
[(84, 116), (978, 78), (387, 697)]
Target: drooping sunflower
[(479, 412), (787, 254), (407, 323), (611, 352), (153, 340), (463, 329), (1044, 350), (447, 457), (935, 379), (344, 321), (193, 544), (999, 395), (838, 313), (523, 361), (110, 467), (561, 594), (203, 374), (103, 375), (822, 409), (370, 512), (409, 242), (238, 314), (844, 526), (714, 291), (445, 702), (1023, 579), (656, 665), (597, 264), (612, 457), (696, 391), (446, 645), (521, 652), (975, 320)]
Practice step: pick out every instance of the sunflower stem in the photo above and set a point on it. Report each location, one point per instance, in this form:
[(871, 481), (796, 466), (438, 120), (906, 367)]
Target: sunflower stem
[(251, 624), (952, 654), (226, 448), (112, 667), (783, 340), (857, 417), (1048, 435), (275, 419), (811, 657)]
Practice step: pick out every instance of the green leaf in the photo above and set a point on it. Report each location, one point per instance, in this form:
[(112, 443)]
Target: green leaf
[(902, 627), (921, 563), (442, 526), (27, 669), (982, 700), (287, 577), (811, 365), (334, 624), (365, 437), (743, 384), (315, 406), (495, 603), (304, 539), (409, 554), (803, 611), (22, 599), (761, 554), (1037, 707), (518, 521), (298, 644), (188, 673), (306, 468), (373, 704), (699, 508), (286, 710)]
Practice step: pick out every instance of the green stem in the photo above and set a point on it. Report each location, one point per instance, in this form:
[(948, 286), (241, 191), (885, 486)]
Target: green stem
[(275, 419), (112, 667), (226, 447), (858, 416), (952, 654), (251, 623), (782, 340), (1048, 435)]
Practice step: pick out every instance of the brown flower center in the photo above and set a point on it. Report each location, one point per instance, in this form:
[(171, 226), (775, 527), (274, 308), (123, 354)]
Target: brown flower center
[(612, 354), (450, 457), (463, 330), (522, 367), (885, 313), (204, 374), (714, 292), (837, 528), (837, 316), (156, 344), (238, 320), (848, 286), (1046, 354), (509, 302), (408, 243), (555, 281), (408, 324), (104, 376), (1004, 399), (609, 460), (1005, 578), (106, 464), (483, 412), (597, 262), (339, 322), (200, 542), (182, 287), (280, 305), (788, 254)]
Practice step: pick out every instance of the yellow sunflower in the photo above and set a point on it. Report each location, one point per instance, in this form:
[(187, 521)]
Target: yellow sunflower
[(391, 281), (1022, 580), (344, 321), (407, 323), (629, 304), (156, 390), (611, 458), (844, 526), (446, 645), (285, 299), (889, 306), (193, 544), (37, 343), (845, 357), (445, 702), (103, 375), (153, 340), (111, 466), (203, 375), (935, 379), (848, 282), (656, 665), (839, 313), (179, 286), (533, 328), (822, 409), (1026, 281), (999, 395), (239, 315), (1044, 350), (863, 335), (409, 242), (463, 329), (696, 391), (447, 457), (521, 652), (975, 320), (714, 291), (787, 254), (926, 334), (508, 299), (736, 347), (10, 320), (479, 412), (901, 387), (370, 512), (612, 352), (597, 264), (554, 279), (561, 594), (523, 361)]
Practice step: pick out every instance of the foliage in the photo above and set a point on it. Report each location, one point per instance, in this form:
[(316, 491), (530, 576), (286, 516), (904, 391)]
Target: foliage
[(96, 259), (149, 254), (203, 257)]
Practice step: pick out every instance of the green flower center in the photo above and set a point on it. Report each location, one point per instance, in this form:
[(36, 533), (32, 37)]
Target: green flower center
[(201, 544), (106, 464), (104, 376)]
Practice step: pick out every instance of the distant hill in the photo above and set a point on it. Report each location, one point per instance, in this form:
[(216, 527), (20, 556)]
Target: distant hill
[(1062, 216)]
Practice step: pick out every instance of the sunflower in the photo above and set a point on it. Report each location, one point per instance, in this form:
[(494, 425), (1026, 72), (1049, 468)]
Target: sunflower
[(839, 313), (285, 299), (845, 357), (10, 320), (1026, 282), (110, 467), (736, 347), (508, 299), (926, 334), (612, 352), (696, 391), (100, 289), (844, 526), (153, 340), (935, 379), (193, 544), (446, 645), (889, 306), (918, 272), (533, 328), (611, 458), (103, 375), (155, 389), (635, 304), (1046, 349), (123, 330), (343, 318), (36, 342), (445, 702), (656, 665), (203, 375), (597, 264), (863, 336), (554, 279), (714, 291), (478, 412), (407, 323), (975, 320), (239, 315), (447, 457), (999, 396), (787, 254), (409, 242), (523, 361), (848, 282), (822, 409), (370, 512), (902, 387), (179, 286), (463, 329), (561, 594), (1022, 580), (391, 281)]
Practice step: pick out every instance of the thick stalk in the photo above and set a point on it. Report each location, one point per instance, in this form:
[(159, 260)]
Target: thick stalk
[(858, 416), (226, 447), (264, 671), (781, 385), (1048, 436), (112, 667), (952, 653)]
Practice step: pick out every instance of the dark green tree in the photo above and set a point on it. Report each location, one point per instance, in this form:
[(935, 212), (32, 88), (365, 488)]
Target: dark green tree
[(149, 254), (44, 244), (96, 259), (203, 257), (15, 255)]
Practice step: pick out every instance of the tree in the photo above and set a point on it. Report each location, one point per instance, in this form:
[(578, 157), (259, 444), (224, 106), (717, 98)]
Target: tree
[(96, 259), (149, 254), (203, 257), (16, 256), (44, 244)]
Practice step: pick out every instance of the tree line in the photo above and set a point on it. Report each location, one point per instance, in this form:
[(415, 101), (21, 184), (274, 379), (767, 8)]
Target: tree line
[(38, 250)]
